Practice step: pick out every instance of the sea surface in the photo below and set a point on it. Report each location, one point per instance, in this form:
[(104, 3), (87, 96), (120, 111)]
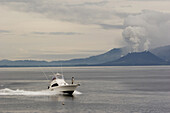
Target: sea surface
[(124, 89)]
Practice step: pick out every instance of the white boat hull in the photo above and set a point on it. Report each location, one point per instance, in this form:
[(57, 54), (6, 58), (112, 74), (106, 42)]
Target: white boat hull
[(69, 89)]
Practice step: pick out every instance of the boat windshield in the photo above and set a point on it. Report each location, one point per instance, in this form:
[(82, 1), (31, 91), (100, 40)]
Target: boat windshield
[(59, 79), (59, 76)]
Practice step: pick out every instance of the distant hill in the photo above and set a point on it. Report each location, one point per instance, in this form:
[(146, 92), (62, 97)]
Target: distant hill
[(137, 58), (111, 55), (162, 52), (9, 63)]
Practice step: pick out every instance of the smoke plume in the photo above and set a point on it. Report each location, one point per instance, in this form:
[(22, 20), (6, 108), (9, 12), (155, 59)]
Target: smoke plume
[(146, 30)]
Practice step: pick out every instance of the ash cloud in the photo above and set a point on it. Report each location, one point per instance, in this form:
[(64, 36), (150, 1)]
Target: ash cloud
[(146, 30)]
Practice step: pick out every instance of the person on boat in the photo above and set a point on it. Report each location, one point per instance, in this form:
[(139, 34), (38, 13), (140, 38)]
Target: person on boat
[(72, 80), (53, 78)]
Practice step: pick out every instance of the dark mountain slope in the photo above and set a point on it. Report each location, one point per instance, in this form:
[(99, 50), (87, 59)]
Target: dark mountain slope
[(138, 58), (111, 55), (162, 52)]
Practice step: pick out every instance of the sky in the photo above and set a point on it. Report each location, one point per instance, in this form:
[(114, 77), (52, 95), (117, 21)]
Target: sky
[(65, 29)]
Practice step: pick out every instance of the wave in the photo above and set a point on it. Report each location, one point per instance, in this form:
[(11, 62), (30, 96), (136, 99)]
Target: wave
[(7, 91)]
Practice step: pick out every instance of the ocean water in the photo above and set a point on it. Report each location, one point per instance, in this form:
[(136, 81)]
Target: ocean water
[(129, 89)]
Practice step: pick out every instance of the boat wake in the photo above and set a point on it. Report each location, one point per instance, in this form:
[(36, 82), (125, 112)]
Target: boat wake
[(7, 91)]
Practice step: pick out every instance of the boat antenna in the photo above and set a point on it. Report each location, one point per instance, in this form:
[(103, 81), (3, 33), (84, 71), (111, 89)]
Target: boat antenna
[(51, 71), (61, 69), (44, 73)]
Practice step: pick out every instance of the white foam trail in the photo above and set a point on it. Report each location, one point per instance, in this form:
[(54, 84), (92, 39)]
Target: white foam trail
[(8, 91), (77, 92)]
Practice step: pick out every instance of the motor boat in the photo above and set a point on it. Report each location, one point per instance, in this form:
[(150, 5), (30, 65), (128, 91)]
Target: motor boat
[(59, 84)]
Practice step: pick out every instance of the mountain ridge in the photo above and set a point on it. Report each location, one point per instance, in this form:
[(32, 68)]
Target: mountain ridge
[(113, 55), (163, 52), (137, 58)]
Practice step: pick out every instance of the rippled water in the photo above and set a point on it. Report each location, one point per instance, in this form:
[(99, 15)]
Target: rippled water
[(103, 90)]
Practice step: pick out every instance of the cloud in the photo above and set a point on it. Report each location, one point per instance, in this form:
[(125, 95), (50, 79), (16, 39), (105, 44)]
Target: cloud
[(124, 14), (15, 0), (78, 12), (150, 0), (100, 3), (108, 26), (147, 29), (4, 31), (56, 33), (126, 6)]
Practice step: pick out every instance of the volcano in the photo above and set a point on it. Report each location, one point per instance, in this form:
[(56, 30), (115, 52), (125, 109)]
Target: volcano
[(137, 58)]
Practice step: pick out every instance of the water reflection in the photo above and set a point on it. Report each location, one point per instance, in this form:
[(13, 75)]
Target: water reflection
[(62, 98)]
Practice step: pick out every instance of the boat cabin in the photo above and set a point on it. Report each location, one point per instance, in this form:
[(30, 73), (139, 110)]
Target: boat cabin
[(58, 80)]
